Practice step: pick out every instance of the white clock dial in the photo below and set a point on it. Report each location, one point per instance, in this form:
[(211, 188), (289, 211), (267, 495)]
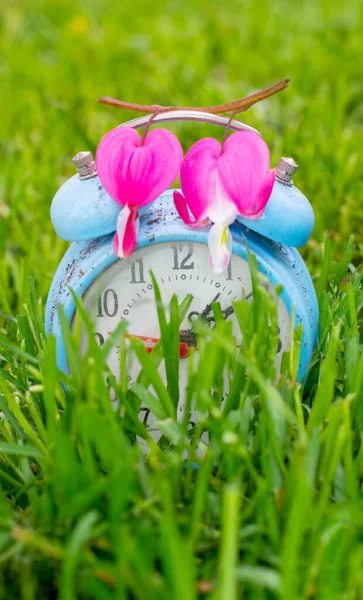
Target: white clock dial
[(125, 291)]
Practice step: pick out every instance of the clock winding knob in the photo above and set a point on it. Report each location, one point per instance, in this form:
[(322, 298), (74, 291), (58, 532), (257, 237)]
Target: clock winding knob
[(85, 164), (285, 170)]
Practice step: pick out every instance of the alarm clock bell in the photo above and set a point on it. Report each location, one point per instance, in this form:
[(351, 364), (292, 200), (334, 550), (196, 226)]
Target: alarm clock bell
[(113, 289)]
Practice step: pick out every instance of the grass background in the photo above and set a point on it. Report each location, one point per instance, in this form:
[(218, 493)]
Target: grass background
[(281, 517)]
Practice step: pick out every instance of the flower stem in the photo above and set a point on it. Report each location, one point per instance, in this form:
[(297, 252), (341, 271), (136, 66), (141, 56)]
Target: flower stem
[(240, 105), (226, 131), (148, 125)]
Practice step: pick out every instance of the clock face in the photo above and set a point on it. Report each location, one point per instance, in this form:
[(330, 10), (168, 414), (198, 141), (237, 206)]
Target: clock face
[(125, 291)]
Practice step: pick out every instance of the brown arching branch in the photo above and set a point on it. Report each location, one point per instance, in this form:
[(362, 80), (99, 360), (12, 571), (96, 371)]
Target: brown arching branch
[(236, 106)]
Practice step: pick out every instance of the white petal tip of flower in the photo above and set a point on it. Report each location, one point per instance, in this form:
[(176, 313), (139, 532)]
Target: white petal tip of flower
[(220, 268), (220, 247)]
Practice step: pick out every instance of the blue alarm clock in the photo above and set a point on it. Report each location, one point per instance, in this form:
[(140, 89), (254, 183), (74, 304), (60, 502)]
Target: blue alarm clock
[(113, 288)]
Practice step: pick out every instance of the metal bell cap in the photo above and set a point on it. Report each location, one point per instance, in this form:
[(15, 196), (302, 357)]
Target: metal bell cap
[(285, 170), (85, 164), (82, 209)]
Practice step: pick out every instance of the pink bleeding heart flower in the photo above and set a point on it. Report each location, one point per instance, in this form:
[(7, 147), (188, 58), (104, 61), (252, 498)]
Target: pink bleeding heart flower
[(134, 174), (219, 185)]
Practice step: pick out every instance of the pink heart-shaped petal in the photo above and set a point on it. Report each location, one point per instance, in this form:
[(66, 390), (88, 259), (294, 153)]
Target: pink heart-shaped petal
[(197, 176), (136, 174), (221, 185), (244, 169)]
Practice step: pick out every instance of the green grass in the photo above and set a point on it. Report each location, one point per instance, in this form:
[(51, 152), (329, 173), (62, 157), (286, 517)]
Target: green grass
[(275, 508)]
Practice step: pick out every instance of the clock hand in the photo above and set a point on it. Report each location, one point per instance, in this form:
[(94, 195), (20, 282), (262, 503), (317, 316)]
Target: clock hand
[(227, 312), (230, 310), (189, 336), (208, 308), (150, 343), (204, 314)]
